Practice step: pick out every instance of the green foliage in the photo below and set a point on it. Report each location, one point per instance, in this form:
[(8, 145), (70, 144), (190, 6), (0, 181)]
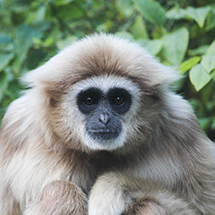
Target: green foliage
[(188, 64), (199, 76), (151, 11), (179, 33), (175, 46)]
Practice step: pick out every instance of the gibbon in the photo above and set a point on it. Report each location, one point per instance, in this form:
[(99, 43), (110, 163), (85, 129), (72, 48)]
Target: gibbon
[(99, 131)]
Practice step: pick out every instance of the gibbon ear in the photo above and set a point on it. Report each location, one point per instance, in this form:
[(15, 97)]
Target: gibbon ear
[(44, 74), (30, 79), (152, 73), (53, 71), (164, 76)]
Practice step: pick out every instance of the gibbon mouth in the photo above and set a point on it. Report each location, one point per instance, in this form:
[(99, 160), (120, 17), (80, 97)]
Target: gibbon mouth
[(103, 134), (100, 130)]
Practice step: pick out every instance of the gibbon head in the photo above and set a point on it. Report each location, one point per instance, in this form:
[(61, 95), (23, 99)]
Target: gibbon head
[(101, 93)]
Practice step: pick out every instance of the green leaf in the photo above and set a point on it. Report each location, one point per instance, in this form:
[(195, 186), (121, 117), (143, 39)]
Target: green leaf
[(62, 2), (3, 83), (13, 89), (188, 64), (5, 59), (125, 7), (24, 36), (175, 13), (210, 21), (6, 44), (36, 16), (70, 11), (199, 77), (152, 11), (211, 49), (198, 51), (152, 46), (104, 27), (213, 124), (175, 46), (208, 62), (61, 44), (49, 41), (204, 122), (198, 14), (124, 34), (213, 74), (138, 29)]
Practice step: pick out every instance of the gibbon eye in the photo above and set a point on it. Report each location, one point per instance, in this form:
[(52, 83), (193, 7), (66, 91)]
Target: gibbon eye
[(89, 101), (118, 100)]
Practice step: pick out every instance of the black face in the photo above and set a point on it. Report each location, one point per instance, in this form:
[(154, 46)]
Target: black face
[(104, 111)]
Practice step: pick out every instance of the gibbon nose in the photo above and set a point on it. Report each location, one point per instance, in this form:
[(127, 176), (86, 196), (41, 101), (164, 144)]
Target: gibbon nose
[(104, 118)]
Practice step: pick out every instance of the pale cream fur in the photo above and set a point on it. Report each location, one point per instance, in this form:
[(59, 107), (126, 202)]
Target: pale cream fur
[(162, 162)]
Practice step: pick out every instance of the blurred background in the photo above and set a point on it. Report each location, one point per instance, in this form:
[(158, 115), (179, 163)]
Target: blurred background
[(178, 33)]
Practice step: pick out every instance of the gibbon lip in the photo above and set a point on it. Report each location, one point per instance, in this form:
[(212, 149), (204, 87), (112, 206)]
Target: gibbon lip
[(100, 130), (103, 134)]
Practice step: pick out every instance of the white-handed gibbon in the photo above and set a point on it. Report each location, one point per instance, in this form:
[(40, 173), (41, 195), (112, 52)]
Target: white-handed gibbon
[(100, 132)]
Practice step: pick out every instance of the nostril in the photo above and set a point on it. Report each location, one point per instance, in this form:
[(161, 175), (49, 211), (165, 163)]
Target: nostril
[(104, 118)]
